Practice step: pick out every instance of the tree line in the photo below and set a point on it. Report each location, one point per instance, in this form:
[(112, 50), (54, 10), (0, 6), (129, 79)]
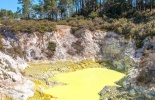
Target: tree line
[(62, 9), (8, 14)]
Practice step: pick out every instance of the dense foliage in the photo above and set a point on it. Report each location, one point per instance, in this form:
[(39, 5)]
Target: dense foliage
[(8, 14), (51, 46), (25, 26), (62, 9)]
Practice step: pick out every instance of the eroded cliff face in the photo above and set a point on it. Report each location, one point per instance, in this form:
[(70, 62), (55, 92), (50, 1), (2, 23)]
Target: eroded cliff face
[(12, 82), (109, 47), (83, 44), (79, 45), (68, 46)]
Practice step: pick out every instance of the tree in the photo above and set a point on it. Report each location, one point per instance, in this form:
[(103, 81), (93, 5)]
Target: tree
[(66, 8), (8, 14), (39, 9), (3, 13), (151, 3), (51, 9), (54, 9), (26, 8)]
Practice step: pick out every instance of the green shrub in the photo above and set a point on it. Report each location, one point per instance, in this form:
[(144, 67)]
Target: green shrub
[(82, 24), (104, 16), (62, 22), (73, 23), (78, 46), (15, 51), (71, 19), (97, 21), (106, 26), (90, 25), (93, 14), (1, 45), (74, 29), (28, 26), (52, 46), (80, 17), (41, 30), (119, 30), (50, 29)]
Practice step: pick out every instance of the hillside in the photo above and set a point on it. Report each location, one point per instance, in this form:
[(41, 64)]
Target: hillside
[(111, 49), (116, 35), (77, 50)]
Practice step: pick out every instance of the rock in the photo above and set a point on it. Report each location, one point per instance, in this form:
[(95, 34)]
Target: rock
[(149, 97), (96, 45), (113, 93), (12, 83), (132, 92), (6, 43), (126, 84), (129, 89), (23, 92), (105, 90)]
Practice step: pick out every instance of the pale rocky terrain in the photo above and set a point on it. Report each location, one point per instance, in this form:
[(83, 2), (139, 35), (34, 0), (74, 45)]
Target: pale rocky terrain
[(108, 48), (12, 82), (91, 45)]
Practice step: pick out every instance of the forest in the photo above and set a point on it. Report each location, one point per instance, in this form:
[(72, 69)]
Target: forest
[(63, 9)]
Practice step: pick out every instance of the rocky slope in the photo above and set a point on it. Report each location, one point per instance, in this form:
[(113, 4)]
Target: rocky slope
[(83, 44), (12, 82), (108, 48)]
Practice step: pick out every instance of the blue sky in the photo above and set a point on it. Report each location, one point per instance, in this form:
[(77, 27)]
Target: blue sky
[(9, 5)]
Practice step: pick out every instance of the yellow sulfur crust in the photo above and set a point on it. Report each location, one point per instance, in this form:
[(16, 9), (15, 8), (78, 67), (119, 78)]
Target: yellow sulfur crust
[(83, 80)]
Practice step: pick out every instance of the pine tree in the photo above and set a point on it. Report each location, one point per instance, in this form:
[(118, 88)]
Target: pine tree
[(26, 8)]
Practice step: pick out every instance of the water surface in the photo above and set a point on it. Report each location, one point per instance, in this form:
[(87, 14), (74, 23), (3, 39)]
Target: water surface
[(83, 84)]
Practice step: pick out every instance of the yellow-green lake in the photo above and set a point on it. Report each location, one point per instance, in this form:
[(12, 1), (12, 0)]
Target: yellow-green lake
[(83, 84)]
